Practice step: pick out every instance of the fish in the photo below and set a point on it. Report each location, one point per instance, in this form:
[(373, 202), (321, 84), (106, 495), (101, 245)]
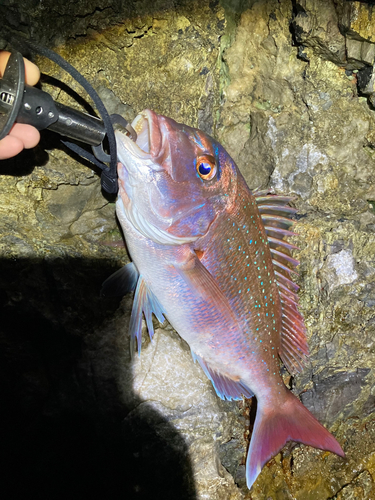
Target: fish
[(212, 257)]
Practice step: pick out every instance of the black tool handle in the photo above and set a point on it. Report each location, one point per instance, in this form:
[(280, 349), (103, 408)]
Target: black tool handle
[(77, 125), (40, 110)]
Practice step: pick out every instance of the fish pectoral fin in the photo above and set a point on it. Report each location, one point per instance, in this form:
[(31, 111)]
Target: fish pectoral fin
[(202, 283), (121, 282), (145, 303), (225, 387)]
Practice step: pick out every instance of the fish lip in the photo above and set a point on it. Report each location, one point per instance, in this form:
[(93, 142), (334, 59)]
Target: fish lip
[(147, 127)]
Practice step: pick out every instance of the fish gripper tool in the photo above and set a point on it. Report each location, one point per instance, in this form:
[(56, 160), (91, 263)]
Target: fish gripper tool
[(22, 103)]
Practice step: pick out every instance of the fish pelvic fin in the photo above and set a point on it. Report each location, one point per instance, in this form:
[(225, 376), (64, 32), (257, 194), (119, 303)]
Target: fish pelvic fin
[(125, 280), (145, 303), (225, 387), (276, 425), (121, 282)]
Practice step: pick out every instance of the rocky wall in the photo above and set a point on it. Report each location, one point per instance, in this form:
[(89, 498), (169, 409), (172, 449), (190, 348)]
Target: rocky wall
[(287, 87)]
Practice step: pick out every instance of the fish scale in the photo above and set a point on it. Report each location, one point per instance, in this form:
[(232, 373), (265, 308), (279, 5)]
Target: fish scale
[(211, 257), (249, 285)]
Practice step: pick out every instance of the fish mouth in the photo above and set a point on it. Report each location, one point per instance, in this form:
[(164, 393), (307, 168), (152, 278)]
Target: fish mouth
[(139, 160), (148, 142)]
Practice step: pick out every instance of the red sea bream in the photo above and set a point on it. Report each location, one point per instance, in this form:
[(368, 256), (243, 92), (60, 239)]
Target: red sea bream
[(210, 256)]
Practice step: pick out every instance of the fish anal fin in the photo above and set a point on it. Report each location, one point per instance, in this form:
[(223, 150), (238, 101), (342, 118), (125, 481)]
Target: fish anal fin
[(145, 303), (225, 386), (121, 282), (274, 427)]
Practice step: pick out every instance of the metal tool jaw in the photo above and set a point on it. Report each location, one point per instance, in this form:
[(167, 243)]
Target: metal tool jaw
[(22, 103)]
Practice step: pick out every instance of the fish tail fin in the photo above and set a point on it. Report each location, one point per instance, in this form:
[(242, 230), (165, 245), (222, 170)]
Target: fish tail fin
[(275, 426)]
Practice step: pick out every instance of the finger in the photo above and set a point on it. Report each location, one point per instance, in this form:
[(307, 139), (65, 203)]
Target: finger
[(4, 56), (10, 146), (28, 135), (32, 73)]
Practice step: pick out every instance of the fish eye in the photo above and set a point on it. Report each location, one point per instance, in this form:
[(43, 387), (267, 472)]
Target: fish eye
[(206, 167)]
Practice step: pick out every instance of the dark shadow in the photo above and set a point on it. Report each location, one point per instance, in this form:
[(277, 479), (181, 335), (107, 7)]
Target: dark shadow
[(24, 163), (65, 432)]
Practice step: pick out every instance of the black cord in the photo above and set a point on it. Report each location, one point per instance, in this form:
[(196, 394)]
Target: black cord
[(85, 154)]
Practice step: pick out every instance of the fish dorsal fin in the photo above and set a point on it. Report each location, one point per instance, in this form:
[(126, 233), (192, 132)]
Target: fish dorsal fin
[(225, 387), (144, 302), (275, 213)]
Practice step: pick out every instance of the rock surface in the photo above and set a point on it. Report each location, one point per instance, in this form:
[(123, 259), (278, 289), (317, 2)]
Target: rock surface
[(288, 88)]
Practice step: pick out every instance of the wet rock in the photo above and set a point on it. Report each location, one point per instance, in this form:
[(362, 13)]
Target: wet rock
[(332, 396), (309, 146), (361, 488), (114, 105), (66, 204), (284, 86), (315, 25), (340, 269), (356, 20), (95, 225), (360, 53)]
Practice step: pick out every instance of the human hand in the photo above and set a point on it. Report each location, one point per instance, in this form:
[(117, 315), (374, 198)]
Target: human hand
[(21, 135)]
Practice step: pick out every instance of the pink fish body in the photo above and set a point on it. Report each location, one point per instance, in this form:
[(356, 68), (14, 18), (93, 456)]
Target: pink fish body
[(211, 257)]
